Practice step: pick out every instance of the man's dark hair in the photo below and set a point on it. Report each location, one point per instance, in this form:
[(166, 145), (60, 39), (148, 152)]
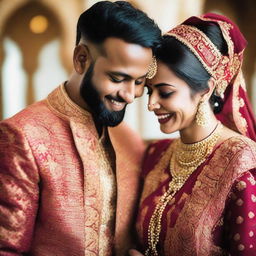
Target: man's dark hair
[(117, 19)]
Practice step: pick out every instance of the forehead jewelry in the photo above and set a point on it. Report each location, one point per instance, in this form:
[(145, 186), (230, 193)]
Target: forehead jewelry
[(152, 68), (222, 68)]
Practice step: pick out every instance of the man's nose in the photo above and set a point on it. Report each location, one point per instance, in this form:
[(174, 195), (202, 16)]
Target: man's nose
[(128, 92)]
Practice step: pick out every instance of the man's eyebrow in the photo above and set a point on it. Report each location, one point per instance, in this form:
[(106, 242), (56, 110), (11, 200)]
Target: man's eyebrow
[(117, 73)]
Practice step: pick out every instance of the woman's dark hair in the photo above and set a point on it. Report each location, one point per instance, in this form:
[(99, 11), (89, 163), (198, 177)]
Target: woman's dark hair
[(185, 64), (117, 19)]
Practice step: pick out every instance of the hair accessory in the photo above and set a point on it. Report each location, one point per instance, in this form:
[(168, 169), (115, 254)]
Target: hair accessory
[(221, 68), (152, 68)]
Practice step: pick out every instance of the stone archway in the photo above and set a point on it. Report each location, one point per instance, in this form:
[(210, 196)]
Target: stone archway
[(30, 38), (62, 17)]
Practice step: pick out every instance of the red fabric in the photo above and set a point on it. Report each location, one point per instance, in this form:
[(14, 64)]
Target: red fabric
[(240, 216), (207, 211), (236, 36), (214, 212)]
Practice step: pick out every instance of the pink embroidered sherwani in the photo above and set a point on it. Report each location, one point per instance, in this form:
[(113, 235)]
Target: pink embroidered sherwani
[(59, 186)]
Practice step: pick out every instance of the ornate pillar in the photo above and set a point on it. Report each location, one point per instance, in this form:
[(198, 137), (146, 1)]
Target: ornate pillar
[(30, 65)]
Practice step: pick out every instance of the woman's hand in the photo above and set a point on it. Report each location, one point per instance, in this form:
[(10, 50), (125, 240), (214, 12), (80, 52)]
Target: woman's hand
[(134, 252)]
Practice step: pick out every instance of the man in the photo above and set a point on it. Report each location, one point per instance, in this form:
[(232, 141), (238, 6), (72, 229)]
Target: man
[(60, 193)]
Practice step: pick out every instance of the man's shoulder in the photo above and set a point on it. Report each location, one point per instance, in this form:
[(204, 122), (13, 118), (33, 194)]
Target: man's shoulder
[(37, 115), (29, 114)]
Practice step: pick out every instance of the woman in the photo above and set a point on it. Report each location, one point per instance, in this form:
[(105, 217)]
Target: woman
[(199, 193)]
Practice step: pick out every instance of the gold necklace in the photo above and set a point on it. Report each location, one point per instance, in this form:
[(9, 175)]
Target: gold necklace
[(184, 160)]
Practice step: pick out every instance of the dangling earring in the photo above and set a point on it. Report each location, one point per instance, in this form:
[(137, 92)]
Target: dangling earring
[(202, 115)]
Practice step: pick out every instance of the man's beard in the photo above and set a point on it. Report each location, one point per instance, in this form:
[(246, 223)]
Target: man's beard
[(91, 96)]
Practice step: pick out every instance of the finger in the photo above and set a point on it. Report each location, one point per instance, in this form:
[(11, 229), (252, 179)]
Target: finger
[(134, 252)]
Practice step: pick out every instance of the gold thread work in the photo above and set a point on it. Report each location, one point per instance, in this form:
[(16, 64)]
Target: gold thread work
[(185, 159), (202, 115), (152, 69), (221, 68)]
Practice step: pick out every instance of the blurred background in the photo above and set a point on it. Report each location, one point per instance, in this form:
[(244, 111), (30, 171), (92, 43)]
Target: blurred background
[(37, 39)]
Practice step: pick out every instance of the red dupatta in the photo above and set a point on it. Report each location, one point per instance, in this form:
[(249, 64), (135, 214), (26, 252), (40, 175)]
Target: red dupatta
[(226, 70)]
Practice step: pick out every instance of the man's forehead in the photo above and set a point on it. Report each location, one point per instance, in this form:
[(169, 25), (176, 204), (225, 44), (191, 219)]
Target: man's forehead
[(133, 58), (116, 46), (116, 55)]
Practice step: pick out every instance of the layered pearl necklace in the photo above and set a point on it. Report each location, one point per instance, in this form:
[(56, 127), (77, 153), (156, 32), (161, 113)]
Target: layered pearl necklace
[(185, 159)]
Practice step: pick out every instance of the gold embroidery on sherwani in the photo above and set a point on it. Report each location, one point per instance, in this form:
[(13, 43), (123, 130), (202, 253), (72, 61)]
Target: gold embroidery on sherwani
[(108, 184), (13, 219), (60, 103), (234, 157), (99, 178)]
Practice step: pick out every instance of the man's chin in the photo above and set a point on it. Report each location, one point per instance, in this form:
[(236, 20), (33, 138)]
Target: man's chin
[(110, 122), (114, 124), (112, 119)]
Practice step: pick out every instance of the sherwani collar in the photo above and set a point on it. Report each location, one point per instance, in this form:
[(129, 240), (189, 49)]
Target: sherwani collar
[(99, 177), (60, 102)]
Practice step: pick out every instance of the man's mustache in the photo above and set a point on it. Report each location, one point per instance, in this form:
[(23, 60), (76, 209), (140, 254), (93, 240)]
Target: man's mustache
[(118, 98)]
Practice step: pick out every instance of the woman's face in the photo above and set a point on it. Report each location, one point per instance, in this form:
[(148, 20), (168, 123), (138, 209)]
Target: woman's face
[(171, 100)]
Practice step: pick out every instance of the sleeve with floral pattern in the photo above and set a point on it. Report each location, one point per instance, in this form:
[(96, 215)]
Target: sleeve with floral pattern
[(18, 191), (241, 216)]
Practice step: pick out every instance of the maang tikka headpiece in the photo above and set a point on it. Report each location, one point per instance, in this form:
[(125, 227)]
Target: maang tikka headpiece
[(152, 68), (221, 68)]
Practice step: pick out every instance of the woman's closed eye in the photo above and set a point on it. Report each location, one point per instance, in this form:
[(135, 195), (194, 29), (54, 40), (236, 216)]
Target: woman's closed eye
[(165, 95)]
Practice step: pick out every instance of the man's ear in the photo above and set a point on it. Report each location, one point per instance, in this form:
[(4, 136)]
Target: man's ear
[(81, 58)]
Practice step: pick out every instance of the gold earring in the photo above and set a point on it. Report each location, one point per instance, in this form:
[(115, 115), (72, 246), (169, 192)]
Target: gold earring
[(152, 68), (202, 114)]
